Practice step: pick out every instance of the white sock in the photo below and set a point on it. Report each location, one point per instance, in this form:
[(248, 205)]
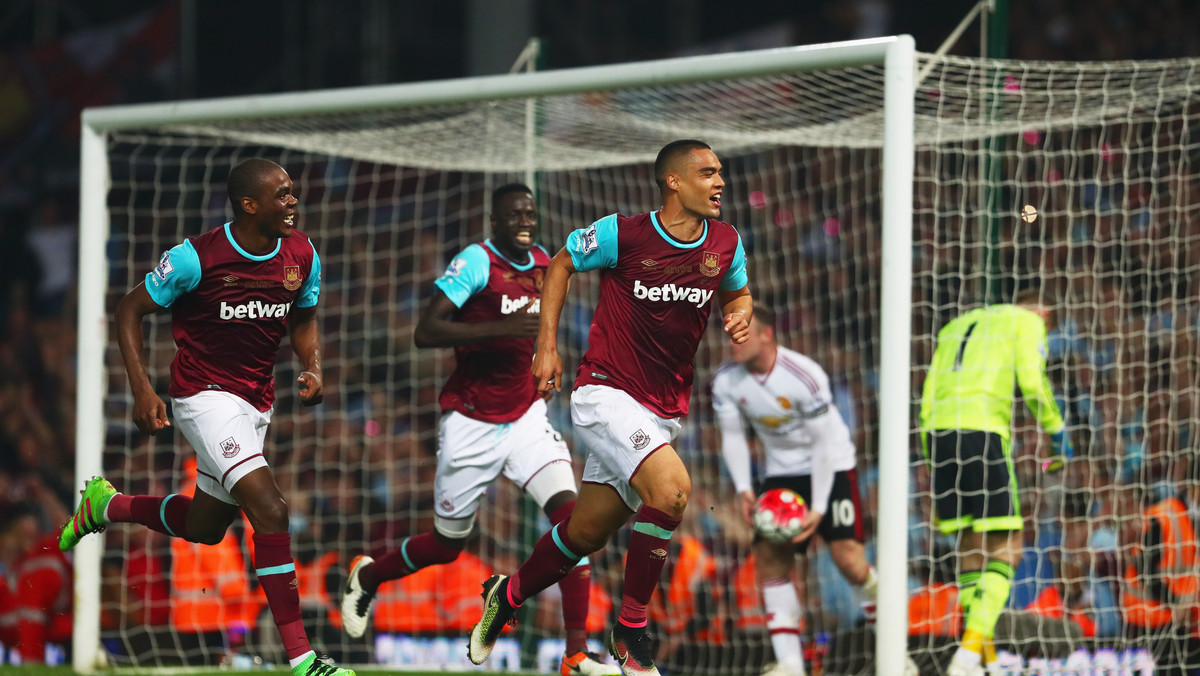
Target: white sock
[(295, 661), (782, 604), (967, 658)]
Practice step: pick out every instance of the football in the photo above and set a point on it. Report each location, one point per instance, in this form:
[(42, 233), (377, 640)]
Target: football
[(778, 514)]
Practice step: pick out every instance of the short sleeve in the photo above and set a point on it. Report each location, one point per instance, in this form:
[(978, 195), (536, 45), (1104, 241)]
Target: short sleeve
[(594, 247), (177, 273), (466, 275), (310, 291), (736, 277)]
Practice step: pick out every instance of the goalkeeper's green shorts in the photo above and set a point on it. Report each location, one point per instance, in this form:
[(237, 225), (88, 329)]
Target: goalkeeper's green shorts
[(974, 485)]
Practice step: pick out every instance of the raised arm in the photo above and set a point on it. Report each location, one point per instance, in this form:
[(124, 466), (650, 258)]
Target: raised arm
[(149, 410), (738, 309), (306, 343), (547, 365), (437, 328)]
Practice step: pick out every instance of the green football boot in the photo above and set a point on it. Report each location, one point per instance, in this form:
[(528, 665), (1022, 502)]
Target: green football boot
[(315, 667), (89, 516)]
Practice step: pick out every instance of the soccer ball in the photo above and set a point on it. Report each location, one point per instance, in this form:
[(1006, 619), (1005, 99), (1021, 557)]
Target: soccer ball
[(778, 514)]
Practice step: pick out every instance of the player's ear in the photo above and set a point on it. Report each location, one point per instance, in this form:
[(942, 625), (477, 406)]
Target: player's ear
[(249, 205), (673, 181)]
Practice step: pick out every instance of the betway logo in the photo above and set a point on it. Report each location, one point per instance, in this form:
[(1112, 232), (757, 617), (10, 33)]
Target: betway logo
[(669, 292), (255, 309), (511, 305)]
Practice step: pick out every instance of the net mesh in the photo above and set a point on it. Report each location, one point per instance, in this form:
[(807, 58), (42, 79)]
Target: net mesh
[(1102, 150)]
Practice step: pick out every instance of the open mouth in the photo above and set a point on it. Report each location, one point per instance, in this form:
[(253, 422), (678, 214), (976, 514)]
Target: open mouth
[(290, 220), (715, 200), (524, 237)]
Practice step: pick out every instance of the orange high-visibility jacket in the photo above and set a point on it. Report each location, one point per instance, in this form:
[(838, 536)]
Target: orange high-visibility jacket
[(935, 610), (1176, 564), (1050, 604)]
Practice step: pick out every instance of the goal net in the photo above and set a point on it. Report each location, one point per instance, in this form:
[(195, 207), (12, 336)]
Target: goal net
[(389, 193)]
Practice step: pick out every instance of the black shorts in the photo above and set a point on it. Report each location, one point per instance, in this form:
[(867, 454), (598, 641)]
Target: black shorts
[(841, 520), (973, 481)]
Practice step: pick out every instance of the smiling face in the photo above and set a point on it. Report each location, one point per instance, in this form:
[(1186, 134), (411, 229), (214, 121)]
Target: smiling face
[(515, 224), (696, 177), (275, 208)]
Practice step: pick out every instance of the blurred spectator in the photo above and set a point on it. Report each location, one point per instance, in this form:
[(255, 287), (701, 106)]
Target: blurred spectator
[(35, 606)]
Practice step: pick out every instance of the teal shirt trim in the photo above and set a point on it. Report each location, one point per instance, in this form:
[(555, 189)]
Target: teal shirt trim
[(310, 291), (518, 266), (674, 242), (466, 275), (177, 273), (162, 514), (237, 247), (594, 247), (735, 276)]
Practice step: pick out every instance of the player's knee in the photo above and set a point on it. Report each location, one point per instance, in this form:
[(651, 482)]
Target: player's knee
[(587, 537), (670, 496), (268, 515), (207, 535)]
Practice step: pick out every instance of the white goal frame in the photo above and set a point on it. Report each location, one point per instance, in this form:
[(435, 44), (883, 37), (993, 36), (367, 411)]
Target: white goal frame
[(896, 54)]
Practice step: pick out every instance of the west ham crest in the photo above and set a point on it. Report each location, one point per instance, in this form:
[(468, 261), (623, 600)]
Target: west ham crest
[(230, 447), (292, 277), (710, 263), (640, 440)]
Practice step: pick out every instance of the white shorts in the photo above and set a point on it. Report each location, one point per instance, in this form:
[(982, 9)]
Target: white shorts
[(472, 453), (227, 434), (619, 434)]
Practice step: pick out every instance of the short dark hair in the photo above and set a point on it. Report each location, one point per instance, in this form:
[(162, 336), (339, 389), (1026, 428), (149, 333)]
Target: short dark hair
[(246, 180), (671, 153), (765, 316), (507, 189)]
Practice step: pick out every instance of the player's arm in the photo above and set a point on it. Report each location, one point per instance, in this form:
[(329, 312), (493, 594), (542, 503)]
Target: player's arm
[(734, 449), (1030, 366), (149, 410), (738, 309), (822, 423), (305, 336), (737, 306), (436, 326), (547, 365)]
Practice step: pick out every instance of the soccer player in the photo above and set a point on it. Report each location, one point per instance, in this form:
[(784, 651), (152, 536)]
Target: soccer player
[(486, 307), (982, 357), (234, 292), (660, 272), (786, 397)]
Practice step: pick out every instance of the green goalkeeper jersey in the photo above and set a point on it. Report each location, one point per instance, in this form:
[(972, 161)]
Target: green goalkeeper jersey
[(981, 359)]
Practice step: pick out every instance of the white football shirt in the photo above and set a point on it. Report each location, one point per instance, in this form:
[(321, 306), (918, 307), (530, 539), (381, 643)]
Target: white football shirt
[(791, 410)]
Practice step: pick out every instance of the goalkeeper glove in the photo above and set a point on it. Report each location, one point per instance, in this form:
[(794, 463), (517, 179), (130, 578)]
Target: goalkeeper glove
[(1060, 447)]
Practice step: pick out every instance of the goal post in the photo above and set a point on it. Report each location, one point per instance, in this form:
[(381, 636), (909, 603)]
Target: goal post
[(464, 127)]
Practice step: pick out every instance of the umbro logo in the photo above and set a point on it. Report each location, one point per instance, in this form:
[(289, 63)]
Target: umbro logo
[(659, 553), (230, 280), (649, 262)]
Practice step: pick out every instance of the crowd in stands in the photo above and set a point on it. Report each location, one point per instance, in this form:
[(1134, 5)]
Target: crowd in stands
[(1117, 252)]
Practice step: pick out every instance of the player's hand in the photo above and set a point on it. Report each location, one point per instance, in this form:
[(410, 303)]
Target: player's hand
[(149, 412), (1054, 465), (547, 372), (746, 501), (310, 388), (520, 324), (737, 328), (809, 525)]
